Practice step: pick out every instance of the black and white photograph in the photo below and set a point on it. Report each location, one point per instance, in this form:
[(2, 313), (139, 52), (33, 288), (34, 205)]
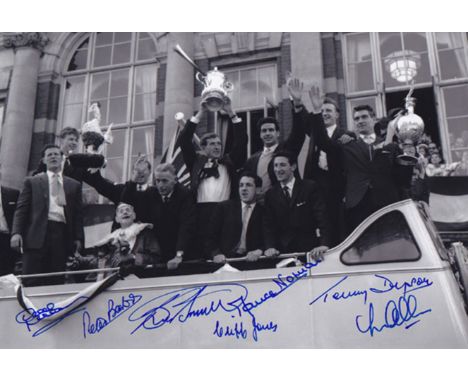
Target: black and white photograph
[(233, 190)]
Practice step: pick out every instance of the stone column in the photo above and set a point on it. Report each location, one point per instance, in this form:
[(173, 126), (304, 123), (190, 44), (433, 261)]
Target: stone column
[(19, 120), (179, 83), (306, 64)]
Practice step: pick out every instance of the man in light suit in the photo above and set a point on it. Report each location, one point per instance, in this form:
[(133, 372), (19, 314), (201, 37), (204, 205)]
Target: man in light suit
[(48, 222), (237, 225), (8, 198), (294, 210)]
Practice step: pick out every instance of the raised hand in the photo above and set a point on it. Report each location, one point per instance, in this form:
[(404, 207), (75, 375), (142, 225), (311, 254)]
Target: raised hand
[(316, 99), (295, 88)]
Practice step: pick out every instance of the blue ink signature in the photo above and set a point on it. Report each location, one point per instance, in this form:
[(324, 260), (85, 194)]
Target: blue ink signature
[(31, 317), (183, 304), (397, 312), (113, 312)]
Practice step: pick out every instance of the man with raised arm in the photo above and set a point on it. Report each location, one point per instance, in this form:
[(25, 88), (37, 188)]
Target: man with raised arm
[(213, 174)]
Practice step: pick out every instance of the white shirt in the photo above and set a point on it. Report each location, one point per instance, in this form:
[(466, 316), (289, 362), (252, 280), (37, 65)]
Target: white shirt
[(3, 222), (322, 161), (215, 189), (290, 186), (142, 187), (56, 212)]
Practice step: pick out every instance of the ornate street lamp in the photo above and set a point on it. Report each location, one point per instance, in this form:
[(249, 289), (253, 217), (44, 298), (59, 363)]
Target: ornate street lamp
[(403, 65)]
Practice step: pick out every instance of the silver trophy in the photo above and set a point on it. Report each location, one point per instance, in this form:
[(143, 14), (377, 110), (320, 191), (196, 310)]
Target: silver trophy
[(215, 87), (410, 127)]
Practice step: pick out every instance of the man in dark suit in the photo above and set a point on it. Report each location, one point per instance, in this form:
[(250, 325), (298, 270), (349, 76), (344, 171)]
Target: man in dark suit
[(374, 176), (323, 165), (69, 137), (261, 162), (294, 210), (213, 175), (170, 208), (237, 225), (8, 198), (48, 223)]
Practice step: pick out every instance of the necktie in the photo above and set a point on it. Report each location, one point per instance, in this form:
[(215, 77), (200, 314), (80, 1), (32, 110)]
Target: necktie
[(57, 191), (165, 199), (242, 242), (286, 193), (139, 187)]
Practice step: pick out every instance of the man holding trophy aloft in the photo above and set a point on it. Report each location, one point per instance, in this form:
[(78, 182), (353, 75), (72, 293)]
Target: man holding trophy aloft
[(213, 173)]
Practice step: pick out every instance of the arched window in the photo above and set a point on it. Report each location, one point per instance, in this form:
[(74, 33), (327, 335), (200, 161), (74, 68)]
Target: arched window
[(119, 70)]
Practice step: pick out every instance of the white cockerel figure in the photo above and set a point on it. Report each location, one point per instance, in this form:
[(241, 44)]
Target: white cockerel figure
[(91, 132)]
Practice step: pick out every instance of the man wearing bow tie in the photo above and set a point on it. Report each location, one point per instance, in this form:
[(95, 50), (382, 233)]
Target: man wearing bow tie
[(48, 223), (212, 174), (294, 210)]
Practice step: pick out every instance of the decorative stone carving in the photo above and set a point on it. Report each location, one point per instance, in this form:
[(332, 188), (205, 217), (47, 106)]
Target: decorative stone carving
[(33, 39)]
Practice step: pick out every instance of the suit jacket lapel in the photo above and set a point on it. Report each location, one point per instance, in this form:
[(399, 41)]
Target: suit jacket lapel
[(295, 191), (44, 184)]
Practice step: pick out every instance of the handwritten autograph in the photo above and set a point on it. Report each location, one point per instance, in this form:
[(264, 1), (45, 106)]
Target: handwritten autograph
[(397, 312), (178, 306)]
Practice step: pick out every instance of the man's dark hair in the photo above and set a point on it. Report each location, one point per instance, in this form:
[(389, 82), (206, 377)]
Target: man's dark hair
[(266, 120), (255, 177), (69, 131), (364, 107), (292, 159), (49, 146), (331, 101), (205, 137)]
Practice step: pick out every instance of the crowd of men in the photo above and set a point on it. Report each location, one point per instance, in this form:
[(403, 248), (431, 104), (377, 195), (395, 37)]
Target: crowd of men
[(254, 209)]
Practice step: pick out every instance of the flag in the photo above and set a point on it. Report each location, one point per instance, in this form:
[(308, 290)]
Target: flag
[(448, 202), (173, 154)]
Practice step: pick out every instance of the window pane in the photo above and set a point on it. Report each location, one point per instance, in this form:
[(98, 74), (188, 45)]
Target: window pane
[(360, 77), (389, 43), (121, 53), (146, 48), (119, 83), (117, 148), (117, 110), (358, 46), (248, 88), (114, 170), (102, 56), (233, 77), (266, 83), (452, 61), (145, 79), (360, 71), (415, 41), (72, 115), (142, 143), (122, 36), (74, 90), (456, 100), (386, 240), (100, 86), (145, 107), (104, 38), (103, 107), (79, 60)]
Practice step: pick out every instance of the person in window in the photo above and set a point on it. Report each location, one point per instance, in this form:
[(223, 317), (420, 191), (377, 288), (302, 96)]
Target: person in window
[(237, 225), (213, 174), (462, 169), (437, 167), (48, 221), (171, 211), (294, 211)]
